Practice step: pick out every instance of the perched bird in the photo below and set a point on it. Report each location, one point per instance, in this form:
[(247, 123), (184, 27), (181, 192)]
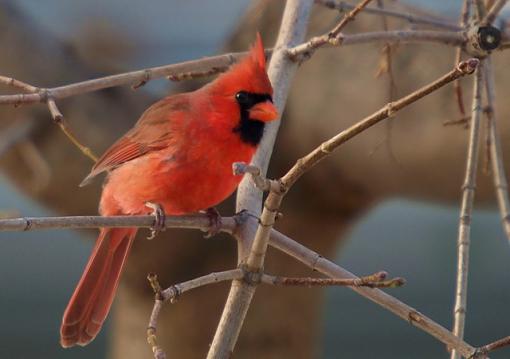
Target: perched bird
[(178, 156)]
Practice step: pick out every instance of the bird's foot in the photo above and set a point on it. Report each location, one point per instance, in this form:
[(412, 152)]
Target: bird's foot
[(159, 219), (214, 222)]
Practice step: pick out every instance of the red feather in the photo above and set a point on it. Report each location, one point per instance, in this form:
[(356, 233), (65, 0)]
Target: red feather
[(179, 155)]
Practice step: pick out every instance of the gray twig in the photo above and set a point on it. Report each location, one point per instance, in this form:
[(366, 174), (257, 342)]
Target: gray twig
[(468, 195)]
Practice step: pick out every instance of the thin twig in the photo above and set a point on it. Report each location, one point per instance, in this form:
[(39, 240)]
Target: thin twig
[(493, 12), (197, 74), (498, 344), (58, 118), (278, 240), (305, 50), (413, 19), (348, 17), (468, 195), (197, 221), (487, 111), (316, 262), (496, 153), (464, 18), (386, 67), (332, 37), (153, 320), (376, 280), (127, 78), (262, 183), (205, 64), (9, 81), (304, 164), (274, 199), (172, 293), (480, 10)]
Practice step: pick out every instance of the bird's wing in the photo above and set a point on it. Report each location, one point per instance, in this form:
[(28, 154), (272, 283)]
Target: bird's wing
[(152, 132)]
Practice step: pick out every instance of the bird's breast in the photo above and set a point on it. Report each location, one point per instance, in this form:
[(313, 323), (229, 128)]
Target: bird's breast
[(192, 179)]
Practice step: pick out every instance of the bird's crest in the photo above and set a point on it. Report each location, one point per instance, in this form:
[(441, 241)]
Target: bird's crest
[(249, 74)]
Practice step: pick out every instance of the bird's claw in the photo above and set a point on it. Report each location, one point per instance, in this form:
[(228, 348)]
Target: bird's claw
[(159, 219), (214, 222)]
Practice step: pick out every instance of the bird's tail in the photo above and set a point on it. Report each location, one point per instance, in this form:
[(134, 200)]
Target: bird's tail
[(93, 297)]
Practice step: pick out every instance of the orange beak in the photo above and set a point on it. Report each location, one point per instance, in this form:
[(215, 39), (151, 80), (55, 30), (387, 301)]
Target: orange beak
[(264, 111)]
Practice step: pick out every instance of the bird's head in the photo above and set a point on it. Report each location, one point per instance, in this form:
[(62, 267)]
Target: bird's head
[(245, 89)]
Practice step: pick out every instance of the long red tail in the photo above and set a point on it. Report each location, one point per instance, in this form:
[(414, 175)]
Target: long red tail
[(93, 297)]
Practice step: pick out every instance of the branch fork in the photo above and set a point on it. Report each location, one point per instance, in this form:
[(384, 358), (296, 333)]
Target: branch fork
[(262, 183)]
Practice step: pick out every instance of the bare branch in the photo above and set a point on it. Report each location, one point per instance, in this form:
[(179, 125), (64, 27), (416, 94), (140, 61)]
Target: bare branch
[(204, 66), (303, 51), (322, 151), (376, 280), (173, 292), (333, 37), (274, 199), (468, 195), (58, 118), (464, 18), (197, 74), (498, 344), (493, 12), (316, 262), (197, 221), (9, 81), (496, 153), (133, 77), (413, 19), (348, 17), (262, 183), (153, 320), (281, 72)]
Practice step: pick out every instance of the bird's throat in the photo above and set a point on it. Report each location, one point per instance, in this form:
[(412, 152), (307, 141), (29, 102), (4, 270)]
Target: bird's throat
[(250, 131)]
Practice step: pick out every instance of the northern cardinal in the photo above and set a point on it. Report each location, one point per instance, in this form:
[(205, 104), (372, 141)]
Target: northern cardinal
[(179, 155)]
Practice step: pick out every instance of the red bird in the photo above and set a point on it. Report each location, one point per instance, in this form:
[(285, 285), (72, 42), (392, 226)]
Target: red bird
[(179, 155)]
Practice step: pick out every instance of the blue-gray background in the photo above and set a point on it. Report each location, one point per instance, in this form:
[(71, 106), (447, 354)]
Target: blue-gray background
[(38, 270)]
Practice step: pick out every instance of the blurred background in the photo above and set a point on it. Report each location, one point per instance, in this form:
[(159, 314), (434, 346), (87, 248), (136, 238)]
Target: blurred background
[(410, 233)]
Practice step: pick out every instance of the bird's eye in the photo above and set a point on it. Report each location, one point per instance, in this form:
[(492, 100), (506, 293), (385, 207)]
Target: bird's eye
[(242, 97)]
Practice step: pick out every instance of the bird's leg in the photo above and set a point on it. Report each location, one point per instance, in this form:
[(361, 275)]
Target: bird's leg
[(214, 221), (159, 219)]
